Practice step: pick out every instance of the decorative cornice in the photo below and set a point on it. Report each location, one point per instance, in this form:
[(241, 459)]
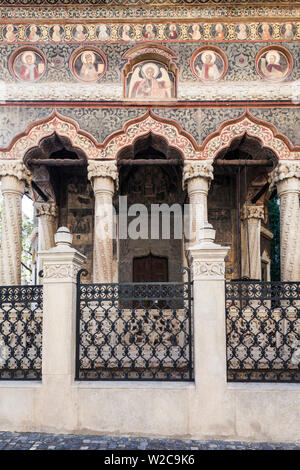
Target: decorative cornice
[(102, 169), (14, 168), (285, 170), (253, 212), (202, 169), (45, 209)]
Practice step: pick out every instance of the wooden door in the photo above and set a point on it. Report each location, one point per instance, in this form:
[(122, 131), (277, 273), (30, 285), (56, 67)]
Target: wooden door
[(150, 269)]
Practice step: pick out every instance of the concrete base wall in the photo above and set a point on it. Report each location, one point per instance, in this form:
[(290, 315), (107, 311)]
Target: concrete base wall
[(256, 412)]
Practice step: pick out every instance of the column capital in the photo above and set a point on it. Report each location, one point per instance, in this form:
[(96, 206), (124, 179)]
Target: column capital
[(197, 169), (101, 169), (286, 170), (14, 168), (45, 208), (253, 212)]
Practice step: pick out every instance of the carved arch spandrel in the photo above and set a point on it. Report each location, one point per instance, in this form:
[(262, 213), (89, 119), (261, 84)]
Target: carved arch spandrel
[(151, 123), (54, 124), (132, 130), (265, 132)]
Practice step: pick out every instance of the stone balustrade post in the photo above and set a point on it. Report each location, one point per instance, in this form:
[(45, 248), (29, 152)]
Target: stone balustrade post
[(60, 267), (208, 273), (104, 177), (252, 216), (207, 261), (286, 176), (13, 177), (197, 177)]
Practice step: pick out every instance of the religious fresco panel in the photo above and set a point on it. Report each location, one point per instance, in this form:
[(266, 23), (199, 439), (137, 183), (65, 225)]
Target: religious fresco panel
[(150, 80), (28, 65), (88, 65), (274, 64)]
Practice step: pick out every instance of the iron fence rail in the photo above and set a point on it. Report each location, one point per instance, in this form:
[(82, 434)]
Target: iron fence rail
[(263, 331), (21, 310), (134, 331)]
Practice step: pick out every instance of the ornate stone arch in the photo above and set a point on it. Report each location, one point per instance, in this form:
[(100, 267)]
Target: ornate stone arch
[(265, 132), (170, 130), (55, 124)]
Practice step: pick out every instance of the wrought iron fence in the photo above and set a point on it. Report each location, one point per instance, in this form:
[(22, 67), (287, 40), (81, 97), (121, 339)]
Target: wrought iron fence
[(263, 331), (134, 331), (21, 332)]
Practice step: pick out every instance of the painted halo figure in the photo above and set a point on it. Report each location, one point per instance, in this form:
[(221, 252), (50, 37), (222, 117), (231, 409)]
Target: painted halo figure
[(33, 33), (195, 32), (29, 66), (10, 33), (173, 33), (273, 65), (56, 33), (149, 32), (88, 66), (103, 33), (79, 32), (289, 31), (242, 32), (209, 70), (150, 81)]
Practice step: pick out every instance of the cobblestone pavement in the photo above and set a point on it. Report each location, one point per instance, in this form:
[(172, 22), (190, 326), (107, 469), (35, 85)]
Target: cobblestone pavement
[(41, 441)]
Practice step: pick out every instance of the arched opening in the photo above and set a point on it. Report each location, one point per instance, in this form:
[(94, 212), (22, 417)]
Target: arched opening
[(150, 177), (62, 192), (238, 204)]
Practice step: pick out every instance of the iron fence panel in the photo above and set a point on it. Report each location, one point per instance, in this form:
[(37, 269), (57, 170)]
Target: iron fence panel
[(21, 310), (134, 331), (263, 331)]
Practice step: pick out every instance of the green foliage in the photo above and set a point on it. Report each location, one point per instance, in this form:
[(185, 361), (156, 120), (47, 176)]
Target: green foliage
[(274, 221)]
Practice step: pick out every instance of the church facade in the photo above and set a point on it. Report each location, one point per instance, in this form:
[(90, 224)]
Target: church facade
[(171, 102)]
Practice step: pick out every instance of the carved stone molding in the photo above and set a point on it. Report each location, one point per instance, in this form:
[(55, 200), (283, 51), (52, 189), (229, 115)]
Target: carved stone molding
[(14, 168), (197, 169), (208, 270), (60, 271), (284, 170), (103, 169), (253, 212)]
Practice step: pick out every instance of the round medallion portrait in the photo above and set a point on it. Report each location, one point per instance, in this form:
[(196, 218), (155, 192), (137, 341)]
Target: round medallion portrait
[(10, 33), (79, 32), (56, 33), (274, 64), (149, 31), (195, 32), (33, 33), (88, 65), (208, 64), (103, 32), (172, 32), (28, 65)]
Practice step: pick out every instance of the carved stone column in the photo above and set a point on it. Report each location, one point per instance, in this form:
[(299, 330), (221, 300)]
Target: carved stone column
[(286, 176), (197, 177), (103, 176), (251, 223), (47, 224), (13, 176), (46, 214)]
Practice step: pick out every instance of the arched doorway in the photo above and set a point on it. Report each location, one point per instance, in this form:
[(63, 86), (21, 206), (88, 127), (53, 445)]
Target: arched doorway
[(150, 175), (238, 205)]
